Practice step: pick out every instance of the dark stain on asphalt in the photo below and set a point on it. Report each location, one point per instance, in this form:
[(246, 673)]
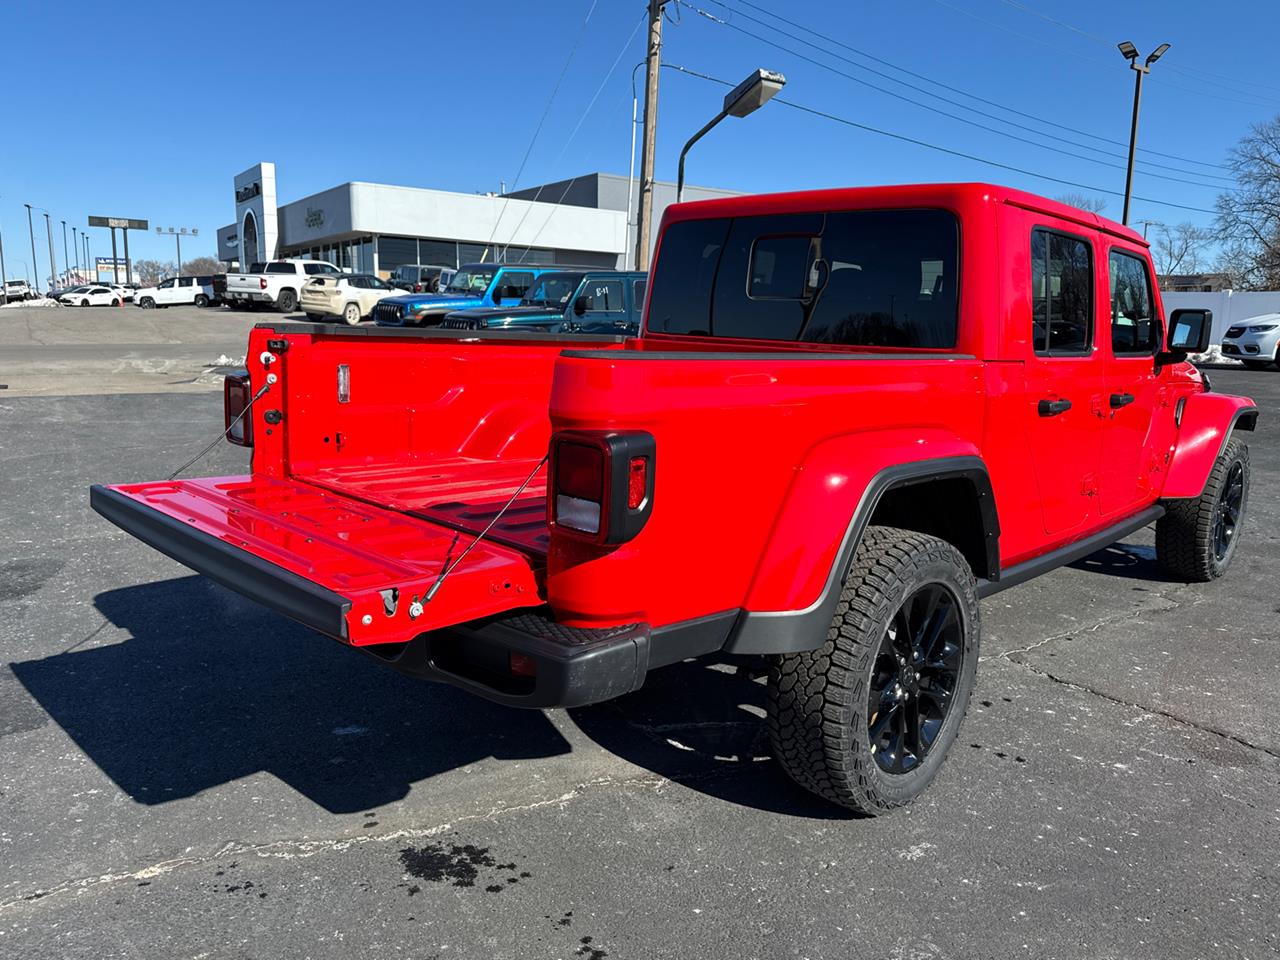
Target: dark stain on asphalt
[(21, 578), (460, 865), (590, 952)]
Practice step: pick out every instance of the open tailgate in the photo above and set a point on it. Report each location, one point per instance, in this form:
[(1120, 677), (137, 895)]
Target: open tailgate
[(350, 570)]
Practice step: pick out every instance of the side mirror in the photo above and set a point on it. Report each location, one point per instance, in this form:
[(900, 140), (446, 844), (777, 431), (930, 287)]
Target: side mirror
[(1189, 332), (580, 306), (501, 293)]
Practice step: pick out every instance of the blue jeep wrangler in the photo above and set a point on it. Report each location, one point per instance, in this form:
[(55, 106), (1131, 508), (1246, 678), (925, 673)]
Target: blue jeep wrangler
[(474, 285), (566, 301)]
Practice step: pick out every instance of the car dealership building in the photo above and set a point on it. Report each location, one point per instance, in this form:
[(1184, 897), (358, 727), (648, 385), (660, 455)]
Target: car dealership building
[(375, 227)]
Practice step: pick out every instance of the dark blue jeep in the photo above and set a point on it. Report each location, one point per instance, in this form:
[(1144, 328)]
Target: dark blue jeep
[(566, 301)]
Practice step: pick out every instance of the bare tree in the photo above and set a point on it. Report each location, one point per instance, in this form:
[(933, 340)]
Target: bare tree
[(150, 272), (1249, 216), (1083, 202), (202, 266), (1178, 249)]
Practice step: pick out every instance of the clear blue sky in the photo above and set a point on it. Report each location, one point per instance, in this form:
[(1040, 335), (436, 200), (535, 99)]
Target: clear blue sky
[(148, 110)]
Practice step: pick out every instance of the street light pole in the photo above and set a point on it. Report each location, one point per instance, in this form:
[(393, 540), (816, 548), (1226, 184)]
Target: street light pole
[(35, 265), (1130, 53), (53, 262), (747, 97), (4, 278), (75, 245), (87, 262), (65, 256)]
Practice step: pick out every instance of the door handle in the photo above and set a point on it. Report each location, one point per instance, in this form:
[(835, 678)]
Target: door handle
[(1119, 400), (1051, 408)]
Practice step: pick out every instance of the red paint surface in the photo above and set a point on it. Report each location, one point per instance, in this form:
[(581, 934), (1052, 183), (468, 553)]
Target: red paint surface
[(760, 461)]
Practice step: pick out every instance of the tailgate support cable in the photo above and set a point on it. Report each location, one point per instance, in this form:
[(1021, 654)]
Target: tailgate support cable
[(271, 378), (450, 567)]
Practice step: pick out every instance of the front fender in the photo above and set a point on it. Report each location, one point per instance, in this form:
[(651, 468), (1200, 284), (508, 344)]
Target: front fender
[(831, 498), (1206, 423)]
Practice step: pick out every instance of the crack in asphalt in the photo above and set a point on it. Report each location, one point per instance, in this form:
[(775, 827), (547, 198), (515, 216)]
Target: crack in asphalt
[(301, 849), (1155, 711)]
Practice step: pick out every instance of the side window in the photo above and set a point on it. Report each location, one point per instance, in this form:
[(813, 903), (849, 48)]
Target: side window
[(1061, 293), (638, 293), (1135, 330), (319, 268), (685, 273), (185, 282), (281, 267), (517, 283), (603, 296), (167, 285)]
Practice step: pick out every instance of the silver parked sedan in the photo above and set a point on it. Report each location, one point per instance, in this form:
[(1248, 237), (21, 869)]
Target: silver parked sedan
[(1254, 341)]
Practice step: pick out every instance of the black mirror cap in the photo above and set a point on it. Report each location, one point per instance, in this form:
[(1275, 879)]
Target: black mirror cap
[(580, 306), (1190, 330)]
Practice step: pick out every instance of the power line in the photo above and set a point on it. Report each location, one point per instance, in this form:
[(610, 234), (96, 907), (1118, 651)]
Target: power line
[(966, 93), (947, 150), (1202, 76), (542, 119), (944, 113), (565, 146), (1260, 101)]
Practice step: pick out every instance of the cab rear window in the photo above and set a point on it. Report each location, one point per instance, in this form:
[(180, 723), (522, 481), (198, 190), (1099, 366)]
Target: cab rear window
[(854, 278)]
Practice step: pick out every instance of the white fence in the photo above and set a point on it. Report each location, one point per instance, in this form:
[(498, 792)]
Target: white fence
[(1228, 306)]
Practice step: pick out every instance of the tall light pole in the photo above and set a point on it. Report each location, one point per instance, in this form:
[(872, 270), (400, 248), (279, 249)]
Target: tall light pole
[(75, 245), (35, 265), (178, 233), (1130, 53), (4, 278), (65, 256), (93, 274), (53, 262), (746, 98)]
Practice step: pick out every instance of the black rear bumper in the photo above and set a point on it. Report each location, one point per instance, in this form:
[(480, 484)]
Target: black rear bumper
[(563, 666)]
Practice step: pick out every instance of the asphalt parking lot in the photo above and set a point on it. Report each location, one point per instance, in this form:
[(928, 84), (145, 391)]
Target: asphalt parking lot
[(184, 774)]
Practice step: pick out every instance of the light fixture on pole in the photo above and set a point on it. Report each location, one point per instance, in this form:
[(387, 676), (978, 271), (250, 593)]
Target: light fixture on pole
[(747, 97), (178, 233), (53, 260), (1130, 53)]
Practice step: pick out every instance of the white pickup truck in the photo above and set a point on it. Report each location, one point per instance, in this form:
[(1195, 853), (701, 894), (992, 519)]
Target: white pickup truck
[(277, 283)]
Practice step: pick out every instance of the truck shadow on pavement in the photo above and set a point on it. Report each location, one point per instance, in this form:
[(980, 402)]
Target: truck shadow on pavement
[(209, 688), (702, 723), (1129, 560)]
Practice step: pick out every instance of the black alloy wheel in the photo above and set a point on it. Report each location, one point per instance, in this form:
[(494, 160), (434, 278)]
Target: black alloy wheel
[(914, 678), (1230, 506)]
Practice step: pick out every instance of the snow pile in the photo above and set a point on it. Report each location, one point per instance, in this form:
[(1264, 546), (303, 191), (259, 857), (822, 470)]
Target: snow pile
[(225, 361), (42, 302), (1213, 355)]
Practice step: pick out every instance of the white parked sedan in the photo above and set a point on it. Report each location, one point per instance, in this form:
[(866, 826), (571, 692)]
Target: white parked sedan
[(1254, 341), (350, 296), (91, 295)]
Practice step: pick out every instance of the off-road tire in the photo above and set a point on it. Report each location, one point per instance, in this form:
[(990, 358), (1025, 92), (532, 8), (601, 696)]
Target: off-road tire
[(351, 314), (287, 301), (1185, 536), (201, 301), (818, 700)]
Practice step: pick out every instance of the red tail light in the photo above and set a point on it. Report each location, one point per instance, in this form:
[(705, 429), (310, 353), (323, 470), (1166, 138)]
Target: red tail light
[(236, 393), (262, 283), (601, 484)]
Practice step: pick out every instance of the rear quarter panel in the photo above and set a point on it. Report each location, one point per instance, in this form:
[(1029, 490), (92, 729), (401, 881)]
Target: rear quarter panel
[(759, 464)]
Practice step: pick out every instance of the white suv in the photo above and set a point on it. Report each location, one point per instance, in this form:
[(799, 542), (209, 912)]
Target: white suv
[(176, 290), (1254, 341)]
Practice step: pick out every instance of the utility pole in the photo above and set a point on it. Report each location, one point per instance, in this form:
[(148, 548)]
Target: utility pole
[(31, 231), (53, 263), (644, 222)]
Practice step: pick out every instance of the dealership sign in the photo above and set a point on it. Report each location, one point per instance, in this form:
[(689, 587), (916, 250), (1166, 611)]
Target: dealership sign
[(122, 223), (248, 193)]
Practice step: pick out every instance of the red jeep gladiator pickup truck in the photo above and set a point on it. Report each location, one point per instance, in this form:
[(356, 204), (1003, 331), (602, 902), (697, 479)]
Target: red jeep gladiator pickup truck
[(849, 416)]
